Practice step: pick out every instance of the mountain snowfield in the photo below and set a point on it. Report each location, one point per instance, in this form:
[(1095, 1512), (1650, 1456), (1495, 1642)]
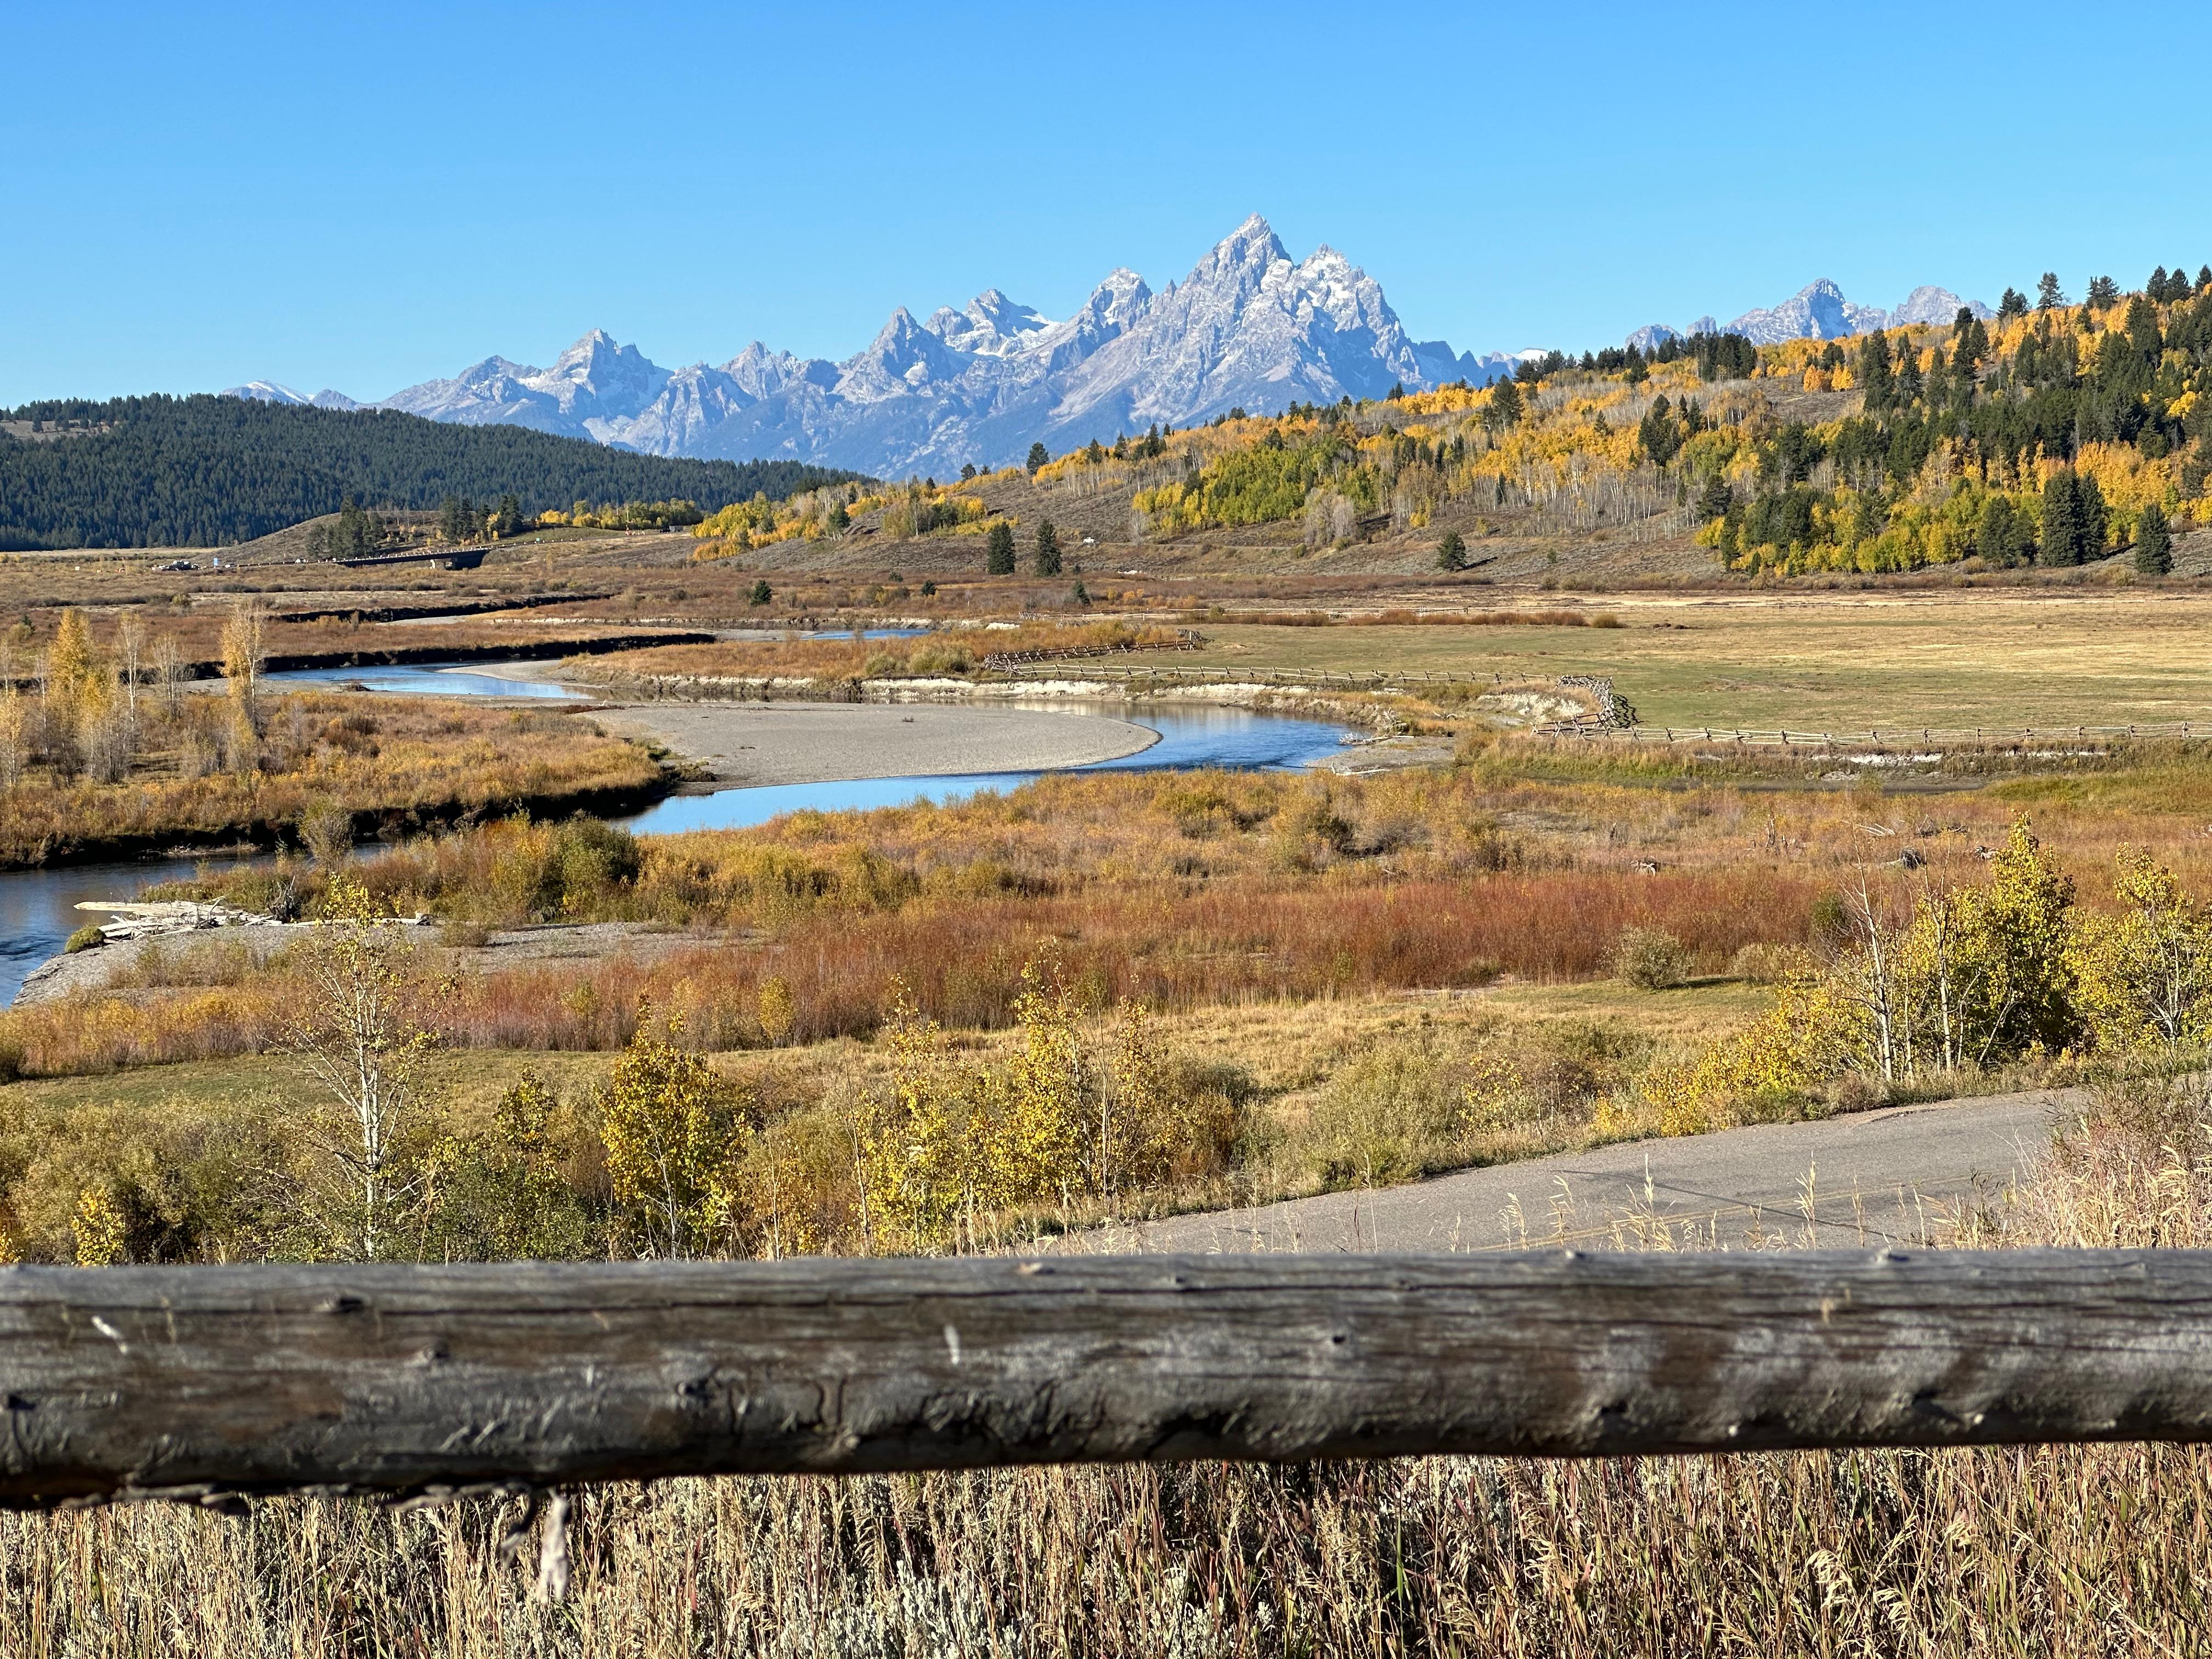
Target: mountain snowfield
[(1248, 327)]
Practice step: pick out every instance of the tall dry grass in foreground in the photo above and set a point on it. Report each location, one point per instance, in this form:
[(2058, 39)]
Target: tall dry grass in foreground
[(2087, 1550)]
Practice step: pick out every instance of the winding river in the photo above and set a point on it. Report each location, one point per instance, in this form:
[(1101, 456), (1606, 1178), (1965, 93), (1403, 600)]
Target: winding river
[(37, 906)]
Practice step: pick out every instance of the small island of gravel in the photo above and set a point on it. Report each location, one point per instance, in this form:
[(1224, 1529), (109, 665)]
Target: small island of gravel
[(780, 743)]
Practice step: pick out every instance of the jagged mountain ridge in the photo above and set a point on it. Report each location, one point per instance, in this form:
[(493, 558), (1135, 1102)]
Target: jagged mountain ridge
[(1819, 311), (1248, 327)]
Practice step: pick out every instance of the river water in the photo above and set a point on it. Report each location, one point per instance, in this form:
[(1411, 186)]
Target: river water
[(37, 906)]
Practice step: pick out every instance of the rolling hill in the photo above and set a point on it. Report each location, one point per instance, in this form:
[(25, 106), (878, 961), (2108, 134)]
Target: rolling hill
[(211, 471)]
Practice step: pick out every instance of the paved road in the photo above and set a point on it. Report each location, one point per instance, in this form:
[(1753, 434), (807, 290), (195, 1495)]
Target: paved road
[(1869, 1177)]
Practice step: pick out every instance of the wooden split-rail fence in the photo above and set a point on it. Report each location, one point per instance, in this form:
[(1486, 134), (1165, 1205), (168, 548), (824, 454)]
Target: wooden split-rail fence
[(1315, 679), (1878, 738), (1000, 661), (204, 1383)]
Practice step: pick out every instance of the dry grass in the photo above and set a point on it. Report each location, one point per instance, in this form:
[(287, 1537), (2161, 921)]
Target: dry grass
[(1844, 662), (194, 630), (435, 759), (953, 652)]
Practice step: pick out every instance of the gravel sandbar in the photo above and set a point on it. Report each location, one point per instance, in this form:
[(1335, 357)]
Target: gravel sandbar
[(747, 744)]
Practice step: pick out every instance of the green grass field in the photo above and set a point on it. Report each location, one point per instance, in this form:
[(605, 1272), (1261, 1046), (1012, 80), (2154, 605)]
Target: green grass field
[(1824, 663)]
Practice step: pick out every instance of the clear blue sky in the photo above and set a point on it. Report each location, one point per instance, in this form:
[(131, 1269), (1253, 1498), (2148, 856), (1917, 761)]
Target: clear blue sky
[(364, 196)]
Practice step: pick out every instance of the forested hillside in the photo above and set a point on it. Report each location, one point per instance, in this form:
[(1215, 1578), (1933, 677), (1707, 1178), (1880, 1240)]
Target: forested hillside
[(209, 471), (2053, 434)]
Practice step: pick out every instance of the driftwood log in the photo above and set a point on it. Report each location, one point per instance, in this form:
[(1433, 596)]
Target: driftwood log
[(192, 1382)]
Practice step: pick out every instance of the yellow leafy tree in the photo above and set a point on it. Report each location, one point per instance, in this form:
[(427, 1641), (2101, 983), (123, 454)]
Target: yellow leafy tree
[(79, 685), (778, 1009), (1031, 1141), (1138, 1101), (675, 1132), (913, 1173), (243, 654), (76, 672), (2144, 975), (948, 1147)]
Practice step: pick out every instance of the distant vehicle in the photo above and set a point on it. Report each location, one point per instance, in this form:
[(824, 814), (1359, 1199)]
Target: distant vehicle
[(177, 564)]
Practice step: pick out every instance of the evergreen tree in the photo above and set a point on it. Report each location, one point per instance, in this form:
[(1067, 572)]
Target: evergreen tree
[(1080, 594), (1039, 456), (967, 472), (2154, 543), (1908, 386), (2048, 295), (2002, 539), (1937, 389), (1874, 374), (2061, 522), (2103, 293), (999, 549), (2155, 288), (1715, 499), (1505, 406), (2203, 277), (2141, 328), (1660, 438), (2014, 304), (458, 520), (1451, 552), (762, 593), (1869, 518), (2091, 517), (1048, 548), (1397, 391)]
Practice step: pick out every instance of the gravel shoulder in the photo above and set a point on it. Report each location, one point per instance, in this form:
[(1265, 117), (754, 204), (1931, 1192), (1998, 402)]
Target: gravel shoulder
[(776, 743)]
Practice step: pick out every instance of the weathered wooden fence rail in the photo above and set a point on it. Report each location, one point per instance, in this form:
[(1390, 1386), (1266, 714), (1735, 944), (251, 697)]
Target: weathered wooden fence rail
[(194, 1382)]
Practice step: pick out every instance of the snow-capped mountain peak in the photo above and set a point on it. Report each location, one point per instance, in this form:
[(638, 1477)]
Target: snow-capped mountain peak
[(991, 325), (1819, 311), (1936, 304), (274, 391)]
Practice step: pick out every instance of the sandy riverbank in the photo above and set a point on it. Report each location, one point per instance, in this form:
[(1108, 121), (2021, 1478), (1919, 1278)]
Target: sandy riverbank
[(751, 743)]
